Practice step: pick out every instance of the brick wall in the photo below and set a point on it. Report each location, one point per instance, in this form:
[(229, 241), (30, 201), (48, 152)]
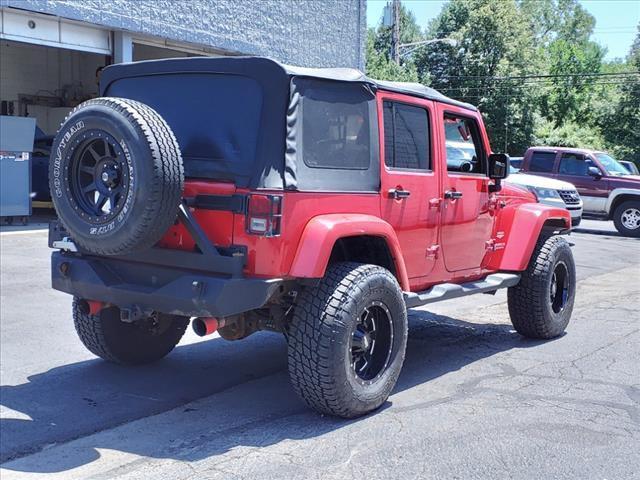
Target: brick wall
[(300, 32)]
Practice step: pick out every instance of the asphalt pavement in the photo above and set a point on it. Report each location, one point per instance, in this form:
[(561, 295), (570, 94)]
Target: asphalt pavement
[(475, 400)]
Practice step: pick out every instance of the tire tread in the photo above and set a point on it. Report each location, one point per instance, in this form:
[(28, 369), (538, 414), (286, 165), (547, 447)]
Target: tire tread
[(527, 301), (311, 333)]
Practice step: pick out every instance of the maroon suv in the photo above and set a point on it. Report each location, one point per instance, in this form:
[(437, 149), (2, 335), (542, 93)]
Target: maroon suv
[(607, 189)]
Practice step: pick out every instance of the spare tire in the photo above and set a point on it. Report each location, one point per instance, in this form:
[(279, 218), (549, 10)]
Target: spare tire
[(116, 176)]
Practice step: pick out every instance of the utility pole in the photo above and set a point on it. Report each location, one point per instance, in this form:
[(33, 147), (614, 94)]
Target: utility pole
[(395, 34), (391, 18)]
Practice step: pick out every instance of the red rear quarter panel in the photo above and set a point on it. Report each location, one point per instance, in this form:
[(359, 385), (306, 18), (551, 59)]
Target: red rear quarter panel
[(323, 231), (274, 256)]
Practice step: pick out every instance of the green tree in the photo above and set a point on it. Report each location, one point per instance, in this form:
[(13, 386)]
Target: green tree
[(572, 65), (561, 32), (621, 126), (409, 32), (550, 20), (493, 42), (380, 67), (529, 66), (379, 64), (569, 134)]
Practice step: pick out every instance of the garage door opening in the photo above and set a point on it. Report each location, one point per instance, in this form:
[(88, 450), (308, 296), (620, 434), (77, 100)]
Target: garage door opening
[(45, 83)]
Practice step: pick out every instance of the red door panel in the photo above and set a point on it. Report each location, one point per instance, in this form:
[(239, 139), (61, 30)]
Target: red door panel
[(467, 223), (408, 183), (467, 216)]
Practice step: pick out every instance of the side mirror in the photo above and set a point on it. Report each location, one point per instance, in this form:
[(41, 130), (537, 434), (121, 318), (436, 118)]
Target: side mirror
[(595, 173), (498, 166)]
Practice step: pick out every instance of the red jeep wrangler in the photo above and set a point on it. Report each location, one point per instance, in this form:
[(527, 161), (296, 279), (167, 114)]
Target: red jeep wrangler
[(243, 195)]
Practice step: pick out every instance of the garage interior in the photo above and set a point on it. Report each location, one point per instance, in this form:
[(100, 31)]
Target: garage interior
[(46, 82), (48, 66)]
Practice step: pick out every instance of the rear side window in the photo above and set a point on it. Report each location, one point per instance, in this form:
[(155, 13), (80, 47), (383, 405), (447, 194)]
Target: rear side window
[(332, 136), (406, 136), (335, 130), (542, 162)]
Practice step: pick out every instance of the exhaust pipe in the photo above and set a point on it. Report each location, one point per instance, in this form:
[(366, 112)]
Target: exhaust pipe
[(90, 307), (203, 326)]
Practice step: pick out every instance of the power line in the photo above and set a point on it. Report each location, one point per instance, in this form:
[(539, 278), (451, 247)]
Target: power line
[(558, 75), (510, 87), (543, 83)]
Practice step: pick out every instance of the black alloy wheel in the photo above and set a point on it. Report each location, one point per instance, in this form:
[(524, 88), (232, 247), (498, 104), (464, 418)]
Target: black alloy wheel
[(99, 177), (347, 339), (371, 342), (540, 305), (559, 288)]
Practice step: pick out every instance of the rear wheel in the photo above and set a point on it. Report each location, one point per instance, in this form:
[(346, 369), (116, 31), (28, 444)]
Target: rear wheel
[(143, 341), (541, 304), (347, 340), (626, 218)]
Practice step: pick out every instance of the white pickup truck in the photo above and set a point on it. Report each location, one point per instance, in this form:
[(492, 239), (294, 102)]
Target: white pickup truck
[(551, 192)]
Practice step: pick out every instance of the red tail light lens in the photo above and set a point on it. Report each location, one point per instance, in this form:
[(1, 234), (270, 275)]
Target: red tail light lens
[(264, 215)]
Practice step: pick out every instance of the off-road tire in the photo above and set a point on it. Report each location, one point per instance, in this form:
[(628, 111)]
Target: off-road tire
[(530, 301), (147, 160), (617, 218), (106, 336), (320, 334)]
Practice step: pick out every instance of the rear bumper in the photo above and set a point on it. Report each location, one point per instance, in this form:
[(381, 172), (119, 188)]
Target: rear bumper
[(157, 288)]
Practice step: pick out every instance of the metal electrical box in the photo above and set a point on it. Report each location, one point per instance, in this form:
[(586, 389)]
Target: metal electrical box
[(16, 147)]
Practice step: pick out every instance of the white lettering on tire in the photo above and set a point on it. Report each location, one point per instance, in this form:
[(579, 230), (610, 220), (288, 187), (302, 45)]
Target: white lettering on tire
[(57, 161)]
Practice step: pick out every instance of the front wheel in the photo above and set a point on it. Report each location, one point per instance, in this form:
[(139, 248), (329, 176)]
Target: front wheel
[(144, 341), (540, 305), (347, 340), (626, 218)]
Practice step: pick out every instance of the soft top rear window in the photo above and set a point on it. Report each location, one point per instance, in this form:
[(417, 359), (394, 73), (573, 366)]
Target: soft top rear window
[(333, 128), (216, 119)]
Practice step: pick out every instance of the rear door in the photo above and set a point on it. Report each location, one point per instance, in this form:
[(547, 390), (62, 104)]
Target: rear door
[(467, 216), (409, 185)]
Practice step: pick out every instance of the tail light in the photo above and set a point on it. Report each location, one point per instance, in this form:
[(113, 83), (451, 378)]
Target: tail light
[(264, 215)]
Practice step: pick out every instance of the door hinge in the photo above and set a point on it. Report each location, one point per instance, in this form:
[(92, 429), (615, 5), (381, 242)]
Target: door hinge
[(432, 251), (496, 203)]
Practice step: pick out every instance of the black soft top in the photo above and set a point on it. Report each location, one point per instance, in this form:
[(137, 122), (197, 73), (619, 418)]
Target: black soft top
[(240, 118), (269, 70)]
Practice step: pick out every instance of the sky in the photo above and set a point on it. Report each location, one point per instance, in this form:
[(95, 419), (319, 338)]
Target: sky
[(616, 20)]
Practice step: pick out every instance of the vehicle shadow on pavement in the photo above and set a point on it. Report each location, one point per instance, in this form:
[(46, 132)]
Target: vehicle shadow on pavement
[(247, 401), (593, 231)]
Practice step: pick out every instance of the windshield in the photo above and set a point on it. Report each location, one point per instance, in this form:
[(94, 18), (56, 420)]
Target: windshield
[(611, 165)]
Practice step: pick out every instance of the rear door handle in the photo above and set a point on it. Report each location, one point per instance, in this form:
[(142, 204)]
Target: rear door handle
[(452, 195), (399, 194)]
